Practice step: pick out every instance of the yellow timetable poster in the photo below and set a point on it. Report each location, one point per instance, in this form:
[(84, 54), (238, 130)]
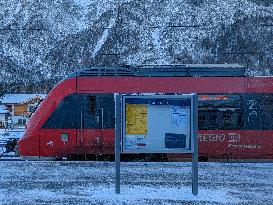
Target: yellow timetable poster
[(136, 119)]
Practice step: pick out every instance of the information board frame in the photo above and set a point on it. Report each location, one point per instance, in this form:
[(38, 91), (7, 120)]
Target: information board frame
[(119, 112), (147, 97)]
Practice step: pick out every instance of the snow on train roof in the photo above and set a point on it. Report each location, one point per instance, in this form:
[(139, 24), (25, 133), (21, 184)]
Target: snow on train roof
[(19, 98)]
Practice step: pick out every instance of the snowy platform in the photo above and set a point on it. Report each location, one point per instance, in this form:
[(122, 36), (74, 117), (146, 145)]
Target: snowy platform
[(142, 183)]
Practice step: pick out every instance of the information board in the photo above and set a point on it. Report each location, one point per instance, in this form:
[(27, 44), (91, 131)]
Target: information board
[(148, 123), (157, 123)]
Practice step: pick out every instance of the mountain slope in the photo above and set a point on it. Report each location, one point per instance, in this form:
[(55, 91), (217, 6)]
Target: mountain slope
[(42, 41)]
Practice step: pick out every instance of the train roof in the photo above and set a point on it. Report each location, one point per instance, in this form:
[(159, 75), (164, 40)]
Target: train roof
[(185, 70)]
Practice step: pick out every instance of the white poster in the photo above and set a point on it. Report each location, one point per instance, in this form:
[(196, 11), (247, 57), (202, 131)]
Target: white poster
[(179, 116), (135, 141)]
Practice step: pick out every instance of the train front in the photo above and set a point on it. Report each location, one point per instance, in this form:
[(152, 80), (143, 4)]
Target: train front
[(28, 145), (31, 145)]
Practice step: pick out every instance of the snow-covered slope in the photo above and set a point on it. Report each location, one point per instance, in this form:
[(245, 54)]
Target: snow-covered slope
[(42, 41)]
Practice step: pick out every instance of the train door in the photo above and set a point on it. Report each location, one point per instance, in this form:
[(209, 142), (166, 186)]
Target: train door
[(94, 122)]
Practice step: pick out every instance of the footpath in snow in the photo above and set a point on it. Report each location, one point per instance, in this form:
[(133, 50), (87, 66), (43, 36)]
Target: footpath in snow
[(25, 182)]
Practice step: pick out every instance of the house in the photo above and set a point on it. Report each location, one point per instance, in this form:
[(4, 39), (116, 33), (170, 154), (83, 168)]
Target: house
[(21, 105), (4, 113)]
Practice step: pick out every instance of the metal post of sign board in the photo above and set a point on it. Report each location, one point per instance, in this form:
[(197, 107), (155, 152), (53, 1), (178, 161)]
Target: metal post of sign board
[(117, 141), (194, 108)]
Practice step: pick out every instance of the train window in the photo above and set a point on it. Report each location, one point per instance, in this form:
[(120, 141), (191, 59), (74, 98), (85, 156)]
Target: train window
[(91, 100), (252, 111), (267, 112), (64, 137), (220, 112), (66, 113), (100, 111), (82, 110)]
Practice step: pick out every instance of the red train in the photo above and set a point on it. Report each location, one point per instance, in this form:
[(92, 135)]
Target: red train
[(77, 117)]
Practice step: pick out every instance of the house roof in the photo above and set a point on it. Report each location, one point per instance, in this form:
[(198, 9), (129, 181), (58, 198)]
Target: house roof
[(19, 98), (3, 109)]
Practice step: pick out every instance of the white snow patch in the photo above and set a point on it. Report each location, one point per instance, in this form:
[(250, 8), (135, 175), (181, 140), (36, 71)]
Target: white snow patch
[(29, 195), (104, 36), (156, 37), (142, 183), (82, 3), (131, 194), (134, 193), (161, 55), (20, 98)]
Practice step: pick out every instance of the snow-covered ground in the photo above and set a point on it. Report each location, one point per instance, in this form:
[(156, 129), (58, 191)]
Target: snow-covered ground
[(25, 182)]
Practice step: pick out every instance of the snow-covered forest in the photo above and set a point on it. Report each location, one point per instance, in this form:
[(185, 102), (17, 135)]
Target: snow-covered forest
[(42, 41)]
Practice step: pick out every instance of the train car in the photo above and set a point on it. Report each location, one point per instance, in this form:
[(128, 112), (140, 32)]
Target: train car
[(77, 117)]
